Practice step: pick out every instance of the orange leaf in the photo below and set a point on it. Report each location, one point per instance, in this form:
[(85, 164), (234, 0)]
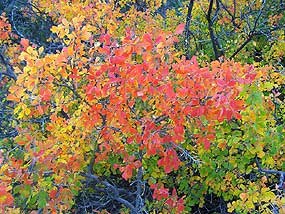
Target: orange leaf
[(12, 97), (21, 143)]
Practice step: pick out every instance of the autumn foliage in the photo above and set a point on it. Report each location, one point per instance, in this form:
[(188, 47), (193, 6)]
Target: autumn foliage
[(116, 99)]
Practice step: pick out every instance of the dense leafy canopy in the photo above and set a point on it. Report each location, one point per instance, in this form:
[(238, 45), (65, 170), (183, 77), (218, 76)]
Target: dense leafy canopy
[(142, 106)]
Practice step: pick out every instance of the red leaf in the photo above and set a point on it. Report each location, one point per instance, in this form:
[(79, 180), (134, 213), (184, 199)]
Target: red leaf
[(53, 193), (169, 92), (74, 74), (105, 38), (207, 144), (180, 28), (170, 202), (179, 130), (159, 192), (237, 105), (174, 193), (170, 161), (45, 94), (118, 60), (24, 43), (5, 196), (127, 172), (180, 206), (147, 38)]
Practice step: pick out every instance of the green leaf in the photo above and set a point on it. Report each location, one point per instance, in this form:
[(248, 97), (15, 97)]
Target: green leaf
[(255, 98), (42, 199)]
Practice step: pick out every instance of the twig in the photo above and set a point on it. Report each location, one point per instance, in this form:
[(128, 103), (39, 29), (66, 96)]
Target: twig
[(76, 94), (187, 155)]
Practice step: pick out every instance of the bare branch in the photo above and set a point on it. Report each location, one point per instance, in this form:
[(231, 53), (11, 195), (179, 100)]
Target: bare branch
[(9, 69), (270, 171), (249, 38), (253, 32), (187, 28), (215, 43), (112, 191)]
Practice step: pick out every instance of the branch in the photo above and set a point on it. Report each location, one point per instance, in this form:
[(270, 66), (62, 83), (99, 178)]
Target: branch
[(249, 38), (13, 23), (73, 90), (233, 16), (187, 28), (252, 32), (215, 43), (9, 70), (161, 118), (186, 155), (259, 14), (115, 192), (270, 171), (139, 192)]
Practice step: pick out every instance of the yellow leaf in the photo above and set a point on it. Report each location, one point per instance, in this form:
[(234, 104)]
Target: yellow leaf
[(31, 51), (2, 199), (54, 29), (249, 205), (22, 110), (282, 210), (85, 35), (261, 154), (41, 49), (264, 179), (3, 168), (13, 210), (267, 195)]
